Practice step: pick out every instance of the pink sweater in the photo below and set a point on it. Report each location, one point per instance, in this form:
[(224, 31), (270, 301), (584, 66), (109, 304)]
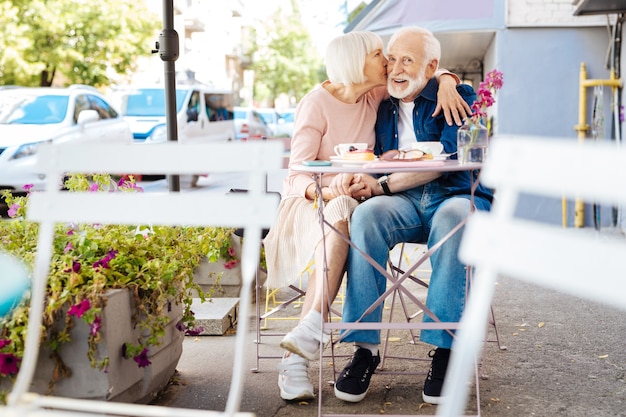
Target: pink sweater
[(321, 122)]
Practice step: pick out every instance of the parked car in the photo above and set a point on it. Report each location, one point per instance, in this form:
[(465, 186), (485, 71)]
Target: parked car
[(270, 116), (285, 123), (249, 122), (204, 114), (280, 123), (30, 116)]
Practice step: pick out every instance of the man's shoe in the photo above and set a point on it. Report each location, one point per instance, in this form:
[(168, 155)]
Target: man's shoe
[(436, 375), (354, 380), (293, 378), (304, 340)]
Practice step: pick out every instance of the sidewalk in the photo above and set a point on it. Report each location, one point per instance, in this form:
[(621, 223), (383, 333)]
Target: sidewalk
[(564, 357)]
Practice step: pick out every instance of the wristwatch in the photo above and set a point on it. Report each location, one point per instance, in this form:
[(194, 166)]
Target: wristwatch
[(383, 181)]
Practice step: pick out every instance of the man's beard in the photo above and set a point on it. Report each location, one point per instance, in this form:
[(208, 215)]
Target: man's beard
[(414, 85)]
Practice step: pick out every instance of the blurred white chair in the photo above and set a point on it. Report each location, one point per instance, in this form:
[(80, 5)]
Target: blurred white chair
[(499, 243), (253, 211)]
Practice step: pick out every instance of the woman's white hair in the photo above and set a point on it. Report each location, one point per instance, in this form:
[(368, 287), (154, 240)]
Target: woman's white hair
[(345, 56), (431, 45)]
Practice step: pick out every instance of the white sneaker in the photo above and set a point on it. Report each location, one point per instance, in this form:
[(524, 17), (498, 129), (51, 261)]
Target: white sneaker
[(293, 378), (304, 340)]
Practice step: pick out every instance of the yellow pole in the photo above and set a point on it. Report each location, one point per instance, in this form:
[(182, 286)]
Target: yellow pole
[(582, 127)]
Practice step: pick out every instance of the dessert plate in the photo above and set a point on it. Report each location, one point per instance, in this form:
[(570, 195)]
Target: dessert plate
[(339, 161)]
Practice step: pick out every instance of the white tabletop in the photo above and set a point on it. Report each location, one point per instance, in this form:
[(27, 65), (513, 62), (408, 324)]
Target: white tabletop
[(386, 167)]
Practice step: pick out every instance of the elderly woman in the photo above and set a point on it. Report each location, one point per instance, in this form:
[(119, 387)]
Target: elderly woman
[(341, 110)]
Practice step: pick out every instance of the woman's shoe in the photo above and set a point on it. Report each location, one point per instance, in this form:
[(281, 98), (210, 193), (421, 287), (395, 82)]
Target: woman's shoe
[(293, 378)]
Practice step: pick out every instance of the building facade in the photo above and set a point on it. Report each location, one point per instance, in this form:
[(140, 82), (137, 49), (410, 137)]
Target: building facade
[(541, 46)]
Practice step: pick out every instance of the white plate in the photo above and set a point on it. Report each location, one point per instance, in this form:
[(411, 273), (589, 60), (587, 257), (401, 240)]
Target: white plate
[(338, 161), (434, 148)]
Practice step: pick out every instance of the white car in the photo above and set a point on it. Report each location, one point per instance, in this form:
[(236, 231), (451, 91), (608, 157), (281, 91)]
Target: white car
[(249, 122), (203, 112), (30, 116)]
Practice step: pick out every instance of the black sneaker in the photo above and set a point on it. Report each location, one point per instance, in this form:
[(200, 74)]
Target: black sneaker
[(436, 374), (354, 380)]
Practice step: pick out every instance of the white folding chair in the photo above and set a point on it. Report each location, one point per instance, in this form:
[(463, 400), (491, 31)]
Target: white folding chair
[(499, 242), (254, 211)]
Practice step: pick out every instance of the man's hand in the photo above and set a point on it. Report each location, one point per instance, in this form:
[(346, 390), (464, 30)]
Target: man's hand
[(451, 102), (357, 186)]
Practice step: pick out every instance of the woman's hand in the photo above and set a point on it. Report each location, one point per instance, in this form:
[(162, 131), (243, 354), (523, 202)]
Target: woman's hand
[(451, 102)]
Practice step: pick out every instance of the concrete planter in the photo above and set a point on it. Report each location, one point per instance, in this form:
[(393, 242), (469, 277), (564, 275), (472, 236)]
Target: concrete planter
[(213, 275), (124, 381)]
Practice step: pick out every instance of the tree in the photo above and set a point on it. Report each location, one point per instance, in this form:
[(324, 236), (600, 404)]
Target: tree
[(72, 41), (284, 58)]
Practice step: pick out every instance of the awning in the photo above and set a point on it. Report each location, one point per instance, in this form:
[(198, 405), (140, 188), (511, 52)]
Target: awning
[(590, 7)]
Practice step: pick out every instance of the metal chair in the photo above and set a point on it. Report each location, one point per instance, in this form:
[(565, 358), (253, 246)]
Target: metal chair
[(502, 243), (253, 211)]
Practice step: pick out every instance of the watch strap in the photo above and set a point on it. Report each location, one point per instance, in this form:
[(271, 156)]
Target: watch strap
[(383, 181)]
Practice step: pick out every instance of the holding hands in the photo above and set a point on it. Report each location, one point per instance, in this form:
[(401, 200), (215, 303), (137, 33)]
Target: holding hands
[(358, 186)]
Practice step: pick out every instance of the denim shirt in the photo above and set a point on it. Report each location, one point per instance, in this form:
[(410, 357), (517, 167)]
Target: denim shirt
[(428, 128)]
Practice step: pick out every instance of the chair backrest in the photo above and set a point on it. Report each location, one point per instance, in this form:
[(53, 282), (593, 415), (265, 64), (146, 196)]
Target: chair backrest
[(582, 262), (545, 254), (252, 211)]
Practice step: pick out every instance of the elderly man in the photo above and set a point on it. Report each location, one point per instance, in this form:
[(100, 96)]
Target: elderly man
[(411, 207)]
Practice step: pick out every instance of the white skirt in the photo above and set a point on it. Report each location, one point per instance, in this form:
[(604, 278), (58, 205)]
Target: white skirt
[(291, 242)]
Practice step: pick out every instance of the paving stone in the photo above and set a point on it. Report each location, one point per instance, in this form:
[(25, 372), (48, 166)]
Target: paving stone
[(216, 315)]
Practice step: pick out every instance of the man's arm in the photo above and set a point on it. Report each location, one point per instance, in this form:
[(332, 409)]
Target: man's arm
[(401, 181), (449, 100)]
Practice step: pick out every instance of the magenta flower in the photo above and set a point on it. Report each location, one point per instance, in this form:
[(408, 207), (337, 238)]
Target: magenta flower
[(79, 309), (195, 331), (8, 364), (230, 264), (142, 359), (4, 342), (104, 262), (486, 89), (231, 252), (93, 187), (75, 267), (13, 210), (94, 327), (27, 187)]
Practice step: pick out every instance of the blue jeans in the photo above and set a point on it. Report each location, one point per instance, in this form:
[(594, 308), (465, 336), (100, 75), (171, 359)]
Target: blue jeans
[(419, 215)]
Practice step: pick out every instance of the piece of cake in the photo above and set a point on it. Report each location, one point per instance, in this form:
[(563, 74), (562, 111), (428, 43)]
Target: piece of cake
[(359, 155)]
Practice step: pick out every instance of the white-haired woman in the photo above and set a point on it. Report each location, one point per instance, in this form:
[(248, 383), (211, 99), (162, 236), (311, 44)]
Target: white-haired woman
[(340, 110)]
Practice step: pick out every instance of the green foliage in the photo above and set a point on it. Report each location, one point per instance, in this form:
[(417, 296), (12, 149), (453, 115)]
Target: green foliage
[(156, 263), (284, 58), (80, 42)]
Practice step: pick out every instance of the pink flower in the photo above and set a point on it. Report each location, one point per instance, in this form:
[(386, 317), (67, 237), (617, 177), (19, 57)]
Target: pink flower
[(4, 342), (8, 364), (68, 247), (27, 187), (79, 309), (94, 327), (13, 210), (230, 264), (485, 95), (231, 252), (93, 187)]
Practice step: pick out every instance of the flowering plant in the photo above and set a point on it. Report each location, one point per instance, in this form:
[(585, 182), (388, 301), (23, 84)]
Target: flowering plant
[(155, 263), (485, 95), (473, 133)]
